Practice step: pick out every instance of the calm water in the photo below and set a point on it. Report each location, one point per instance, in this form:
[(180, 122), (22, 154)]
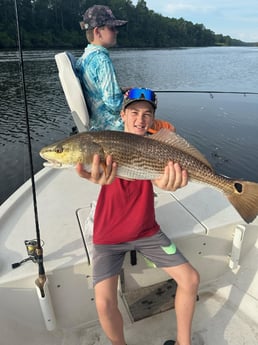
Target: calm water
[(227, 137)]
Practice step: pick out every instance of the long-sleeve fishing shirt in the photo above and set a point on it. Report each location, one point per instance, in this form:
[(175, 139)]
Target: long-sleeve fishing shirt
[(100, 86)]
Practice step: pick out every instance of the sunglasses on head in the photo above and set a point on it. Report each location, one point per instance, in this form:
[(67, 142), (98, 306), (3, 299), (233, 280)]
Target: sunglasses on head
[(146, 94)]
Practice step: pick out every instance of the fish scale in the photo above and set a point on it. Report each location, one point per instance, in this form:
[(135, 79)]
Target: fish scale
[(139, 163), (140, 157)]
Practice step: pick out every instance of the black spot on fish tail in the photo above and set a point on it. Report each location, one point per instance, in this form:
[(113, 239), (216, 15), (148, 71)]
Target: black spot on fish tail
[(245, 199), (239, 187)]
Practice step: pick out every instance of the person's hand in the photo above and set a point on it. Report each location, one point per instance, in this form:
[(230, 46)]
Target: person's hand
[(100, 173), (174, 177)]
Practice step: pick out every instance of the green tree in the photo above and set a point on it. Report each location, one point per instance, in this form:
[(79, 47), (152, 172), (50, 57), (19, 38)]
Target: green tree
[(55, 23)]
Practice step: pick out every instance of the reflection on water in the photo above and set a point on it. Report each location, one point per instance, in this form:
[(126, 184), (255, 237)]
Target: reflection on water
[(44, 97), (48, 115), (227, 137), (222, 126), (214, 68)]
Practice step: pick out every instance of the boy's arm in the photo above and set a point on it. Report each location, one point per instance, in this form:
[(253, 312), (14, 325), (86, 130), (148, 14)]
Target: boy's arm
[(174, 177), (97, 174)]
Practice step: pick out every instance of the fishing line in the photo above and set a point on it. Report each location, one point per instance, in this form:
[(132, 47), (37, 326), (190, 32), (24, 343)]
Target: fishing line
[(39, 251), (209, 92)]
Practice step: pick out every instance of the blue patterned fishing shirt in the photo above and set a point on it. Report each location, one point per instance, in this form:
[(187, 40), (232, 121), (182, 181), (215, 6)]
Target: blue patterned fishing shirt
[(103, 95)]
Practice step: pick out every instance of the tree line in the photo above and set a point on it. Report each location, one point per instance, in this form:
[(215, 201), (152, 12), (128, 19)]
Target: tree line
[(55, 24)]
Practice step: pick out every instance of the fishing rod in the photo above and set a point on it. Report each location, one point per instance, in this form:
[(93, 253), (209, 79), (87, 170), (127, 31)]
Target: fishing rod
[(38, 249), (34, 247), (208, 92)]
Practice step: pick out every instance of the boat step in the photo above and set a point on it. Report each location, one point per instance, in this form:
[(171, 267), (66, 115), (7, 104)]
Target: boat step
[(147, 301)]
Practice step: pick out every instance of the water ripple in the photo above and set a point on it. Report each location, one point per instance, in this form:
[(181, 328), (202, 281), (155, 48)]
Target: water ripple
[(226, 135)]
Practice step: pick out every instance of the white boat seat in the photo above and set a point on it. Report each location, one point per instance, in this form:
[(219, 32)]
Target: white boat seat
[(73, 90)]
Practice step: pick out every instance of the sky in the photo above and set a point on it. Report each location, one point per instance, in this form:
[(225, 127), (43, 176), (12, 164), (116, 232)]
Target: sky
[(236, 18)]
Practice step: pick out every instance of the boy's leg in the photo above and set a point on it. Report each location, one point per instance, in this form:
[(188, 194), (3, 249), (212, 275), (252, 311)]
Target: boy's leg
[(163, 253), (187, 279), (107, 306)]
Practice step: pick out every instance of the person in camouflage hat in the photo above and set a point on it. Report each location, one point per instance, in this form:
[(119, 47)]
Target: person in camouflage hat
[(104, 96)]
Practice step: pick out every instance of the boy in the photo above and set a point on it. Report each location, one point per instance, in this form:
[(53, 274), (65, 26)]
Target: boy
[(125, 220), (103, 95)]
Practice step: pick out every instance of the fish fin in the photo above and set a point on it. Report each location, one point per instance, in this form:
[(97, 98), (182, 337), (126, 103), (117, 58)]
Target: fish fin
[(245, 199), (175, 140)]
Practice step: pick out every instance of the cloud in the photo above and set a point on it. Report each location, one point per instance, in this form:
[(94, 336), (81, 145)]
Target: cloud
[(174, 7), (238, 19)]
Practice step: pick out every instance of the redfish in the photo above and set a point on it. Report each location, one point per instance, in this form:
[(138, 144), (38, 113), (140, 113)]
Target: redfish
[(145, 157)]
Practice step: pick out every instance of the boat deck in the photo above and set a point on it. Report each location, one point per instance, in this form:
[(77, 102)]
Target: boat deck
[(226, 313)]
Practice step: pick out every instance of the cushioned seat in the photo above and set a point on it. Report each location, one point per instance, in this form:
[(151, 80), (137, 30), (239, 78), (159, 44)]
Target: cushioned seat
[(72, 89)]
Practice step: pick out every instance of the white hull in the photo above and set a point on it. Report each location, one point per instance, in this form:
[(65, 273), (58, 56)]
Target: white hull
[(226, 312)]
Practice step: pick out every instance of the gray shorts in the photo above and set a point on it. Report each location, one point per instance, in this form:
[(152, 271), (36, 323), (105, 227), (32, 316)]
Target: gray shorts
[(108, 259)]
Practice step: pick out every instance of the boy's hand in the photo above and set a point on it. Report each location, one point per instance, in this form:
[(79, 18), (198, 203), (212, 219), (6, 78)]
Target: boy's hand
[(174, 177), (98, 174)]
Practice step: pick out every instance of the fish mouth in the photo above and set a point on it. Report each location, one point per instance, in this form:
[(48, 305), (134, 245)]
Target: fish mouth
[(56, 165), (51, 164)]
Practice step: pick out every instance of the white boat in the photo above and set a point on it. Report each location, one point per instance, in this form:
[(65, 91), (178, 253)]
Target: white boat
[(205, 227)]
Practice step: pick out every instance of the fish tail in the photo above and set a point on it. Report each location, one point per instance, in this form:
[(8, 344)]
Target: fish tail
[(245, 199)]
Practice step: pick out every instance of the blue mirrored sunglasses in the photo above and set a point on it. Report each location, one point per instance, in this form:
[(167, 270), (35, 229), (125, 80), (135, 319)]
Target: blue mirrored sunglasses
[(147, 94)]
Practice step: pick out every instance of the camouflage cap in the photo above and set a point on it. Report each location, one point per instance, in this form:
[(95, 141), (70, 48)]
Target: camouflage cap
[(99, 15)]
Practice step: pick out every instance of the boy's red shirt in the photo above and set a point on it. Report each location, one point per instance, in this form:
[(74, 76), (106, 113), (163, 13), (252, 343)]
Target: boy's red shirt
[(124, 212)]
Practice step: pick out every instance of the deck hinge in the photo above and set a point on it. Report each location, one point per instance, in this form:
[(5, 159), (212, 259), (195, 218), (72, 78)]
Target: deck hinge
[(236, 246)]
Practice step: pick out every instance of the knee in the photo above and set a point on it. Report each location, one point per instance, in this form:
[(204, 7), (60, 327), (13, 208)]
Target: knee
[(194, 279), (190, 281), (105, 306)]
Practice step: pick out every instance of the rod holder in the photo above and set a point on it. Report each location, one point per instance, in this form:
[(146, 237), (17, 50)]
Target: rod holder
[(46, 304)]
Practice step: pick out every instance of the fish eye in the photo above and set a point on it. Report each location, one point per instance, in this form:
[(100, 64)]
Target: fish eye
[(59, 149)]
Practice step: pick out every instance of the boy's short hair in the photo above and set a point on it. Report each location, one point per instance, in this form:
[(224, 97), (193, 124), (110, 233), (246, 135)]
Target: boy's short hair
[(90, 35)]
